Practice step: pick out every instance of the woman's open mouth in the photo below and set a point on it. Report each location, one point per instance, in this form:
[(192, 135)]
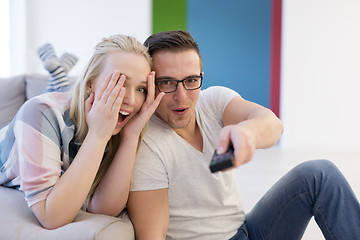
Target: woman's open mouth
[(122, 116)]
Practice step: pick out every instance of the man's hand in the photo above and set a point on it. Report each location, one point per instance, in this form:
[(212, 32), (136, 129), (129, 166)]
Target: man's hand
[(248, 126), (242, 140)]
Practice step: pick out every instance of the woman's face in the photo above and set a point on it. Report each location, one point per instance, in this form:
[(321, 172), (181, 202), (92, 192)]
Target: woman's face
[(136, 69)]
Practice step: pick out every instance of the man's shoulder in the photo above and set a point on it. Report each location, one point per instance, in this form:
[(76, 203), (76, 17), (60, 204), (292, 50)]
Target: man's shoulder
[(156, 128), (216, 90), (214, 98)]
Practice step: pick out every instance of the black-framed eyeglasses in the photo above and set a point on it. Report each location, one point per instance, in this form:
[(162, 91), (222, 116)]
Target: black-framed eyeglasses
[(169, 85)]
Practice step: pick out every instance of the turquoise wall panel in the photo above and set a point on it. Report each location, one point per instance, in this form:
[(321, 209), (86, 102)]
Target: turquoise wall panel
[(234, 40)]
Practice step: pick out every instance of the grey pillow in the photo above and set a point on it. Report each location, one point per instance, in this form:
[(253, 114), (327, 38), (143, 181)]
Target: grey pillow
[(35, 84), (12, 96)]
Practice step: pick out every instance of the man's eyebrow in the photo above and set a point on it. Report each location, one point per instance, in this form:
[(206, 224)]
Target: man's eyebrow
[(164, 78), (171, 78)]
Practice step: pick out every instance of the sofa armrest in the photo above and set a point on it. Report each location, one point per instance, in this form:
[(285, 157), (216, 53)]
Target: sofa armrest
[(18, 222)]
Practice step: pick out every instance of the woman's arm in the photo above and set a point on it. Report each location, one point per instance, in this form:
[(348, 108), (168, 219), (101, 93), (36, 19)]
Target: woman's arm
[(70, 191), (149, 213), (112, 193)]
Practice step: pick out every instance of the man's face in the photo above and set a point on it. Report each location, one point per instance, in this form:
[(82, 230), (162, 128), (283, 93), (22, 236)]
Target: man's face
[(177, 108)]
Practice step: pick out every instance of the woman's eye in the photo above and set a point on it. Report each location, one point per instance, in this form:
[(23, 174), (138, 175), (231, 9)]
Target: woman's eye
[(142, 90)]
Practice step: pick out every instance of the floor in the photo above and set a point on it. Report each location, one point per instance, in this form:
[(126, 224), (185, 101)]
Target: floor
[(269, 165)]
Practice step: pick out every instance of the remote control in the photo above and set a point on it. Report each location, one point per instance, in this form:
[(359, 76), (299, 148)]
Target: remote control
[(222, 161)]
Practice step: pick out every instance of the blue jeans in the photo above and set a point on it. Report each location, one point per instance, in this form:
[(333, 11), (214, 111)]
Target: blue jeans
[(314, 188)]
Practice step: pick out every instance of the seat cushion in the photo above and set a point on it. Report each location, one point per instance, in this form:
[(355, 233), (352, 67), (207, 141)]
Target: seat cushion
[(17, 222)]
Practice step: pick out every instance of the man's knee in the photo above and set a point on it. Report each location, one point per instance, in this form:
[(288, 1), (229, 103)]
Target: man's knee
[(317, 169)]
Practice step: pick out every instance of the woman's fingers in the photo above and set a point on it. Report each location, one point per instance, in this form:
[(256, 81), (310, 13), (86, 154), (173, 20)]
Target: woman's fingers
[(150, 87), (109, 93), (111, 85), (114, 94), (155, 103), (88, 103), (151, 104), (117, 104), (103, 86)]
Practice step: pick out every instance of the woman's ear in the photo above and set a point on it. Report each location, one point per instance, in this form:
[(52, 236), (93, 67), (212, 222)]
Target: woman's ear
[(89, 84)]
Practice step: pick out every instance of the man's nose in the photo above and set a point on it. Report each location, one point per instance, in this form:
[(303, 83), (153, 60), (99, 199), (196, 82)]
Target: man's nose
[(180, 92)]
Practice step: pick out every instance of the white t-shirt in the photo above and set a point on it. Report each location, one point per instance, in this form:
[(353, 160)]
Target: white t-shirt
[(202, 205)]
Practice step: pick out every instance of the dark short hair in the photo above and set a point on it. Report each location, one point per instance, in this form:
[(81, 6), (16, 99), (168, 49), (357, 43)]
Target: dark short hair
[(174, 41)]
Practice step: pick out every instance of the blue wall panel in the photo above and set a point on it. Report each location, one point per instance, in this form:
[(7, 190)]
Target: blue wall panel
[(234, 40)]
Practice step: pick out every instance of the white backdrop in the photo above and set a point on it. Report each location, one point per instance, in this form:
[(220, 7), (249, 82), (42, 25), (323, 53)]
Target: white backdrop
[(73, 26), (320, 79)]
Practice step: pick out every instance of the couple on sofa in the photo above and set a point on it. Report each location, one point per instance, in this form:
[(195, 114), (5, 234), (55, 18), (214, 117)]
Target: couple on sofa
[(68, 150)]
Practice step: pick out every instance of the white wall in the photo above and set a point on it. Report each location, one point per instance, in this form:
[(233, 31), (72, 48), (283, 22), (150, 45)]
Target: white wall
[(72, 26), (320, 95), (4, 39)]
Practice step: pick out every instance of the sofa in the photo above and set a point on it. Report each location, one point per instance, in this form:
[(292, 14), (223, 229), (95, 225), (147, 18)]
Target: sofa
[(17, 220)]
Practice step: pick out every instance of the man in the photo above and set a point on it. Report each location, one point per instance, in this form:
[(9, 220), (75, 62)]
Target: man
[(174, 194)]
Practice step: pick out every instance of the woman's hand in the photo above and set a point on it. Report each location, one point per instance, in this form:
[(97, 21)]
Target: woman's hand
[(102, 109), (137, 123)]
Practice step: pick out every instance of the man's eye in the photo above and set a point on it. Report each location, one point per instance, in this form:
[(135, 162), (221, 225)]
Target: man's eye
[(166, 83), (191, 80)]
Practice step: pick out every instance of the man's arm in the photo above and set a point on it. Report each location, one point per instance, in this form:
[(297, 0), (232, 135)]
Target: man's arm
[(249, 126), (149, 213)]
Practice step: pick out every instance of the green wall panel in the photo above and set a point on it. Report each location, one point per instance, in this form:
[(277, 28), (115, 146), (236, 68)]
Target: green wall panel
[(169, 15)]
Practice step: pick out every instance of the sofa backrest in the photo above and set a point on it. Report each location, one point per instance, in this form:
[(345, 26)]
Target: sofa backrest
[(14, 91), (12, 96), (35, 84)]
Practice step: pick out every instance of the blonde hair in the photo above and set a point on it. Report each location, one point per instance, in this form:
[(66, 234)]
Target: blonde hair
[(80, 94)]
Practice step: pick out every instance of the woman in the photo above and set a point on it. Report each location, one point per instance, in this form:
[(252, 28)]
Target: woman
[(63, 150)]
